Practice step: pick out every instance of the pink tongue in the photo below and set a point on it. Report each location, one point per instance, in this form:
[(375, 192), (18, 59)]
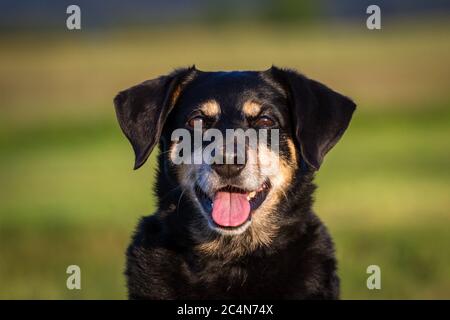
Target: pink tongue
[(230, 209)]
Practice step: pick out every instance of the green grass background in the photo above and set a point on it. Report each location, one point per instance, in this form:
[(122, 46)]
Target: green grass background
[(68, 194)]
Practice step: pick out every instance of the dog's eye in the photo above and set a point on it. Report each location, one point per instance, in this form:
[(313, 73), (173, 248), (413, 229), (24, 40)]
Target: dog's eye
[(264, 122), (196, 121)]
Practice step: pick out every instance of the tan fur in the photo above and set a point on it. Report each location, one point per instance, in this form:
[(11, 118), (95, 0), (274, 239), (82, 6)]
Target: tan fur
[(210, 108), (251, 108), (176, 93), (293, 152)]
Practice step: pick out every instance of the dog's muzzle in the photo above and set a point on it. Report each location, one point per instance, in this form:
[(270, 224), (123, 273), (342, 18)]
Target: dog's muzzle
[(231, 206)]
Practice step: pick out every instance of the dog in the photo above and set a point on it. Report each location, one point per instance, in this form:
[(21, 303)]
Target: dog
[(233, 230)]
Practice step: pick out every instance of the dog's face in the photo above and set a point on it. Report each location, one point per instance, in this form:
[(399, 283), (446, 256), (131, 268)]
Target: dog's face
[(233, 194), (279, 121)]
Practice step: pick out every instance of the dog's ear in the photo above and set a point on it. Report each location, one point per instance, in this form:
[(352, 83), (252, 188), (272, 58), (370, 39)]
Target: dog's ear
[(320, 114), (142, 110)]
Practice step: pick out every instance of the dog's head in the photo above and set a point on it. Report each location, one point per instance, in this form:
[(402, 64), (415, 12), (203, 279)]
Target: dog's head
[(293, 121)]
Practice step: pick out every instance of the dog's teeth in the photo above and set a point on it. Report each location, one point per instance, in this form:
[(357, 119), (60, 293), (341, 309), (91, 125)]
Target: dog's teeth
[(251, 195)]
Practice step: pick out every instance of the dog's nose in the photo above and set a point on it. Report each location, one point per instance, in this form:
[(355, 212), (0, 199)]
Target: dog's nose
[(228, 170)]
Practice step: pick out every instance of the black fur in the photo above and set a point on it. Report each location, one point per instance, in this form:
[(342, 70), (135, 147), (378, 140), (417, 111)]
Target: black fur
[(163, 261)]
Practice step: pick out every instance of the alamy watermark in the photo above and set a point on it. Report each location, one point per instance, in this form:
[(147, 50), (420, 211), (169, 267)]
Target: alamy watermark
[(374, 280), (73, 21), (229, 148), (373, 22), (74, 280)]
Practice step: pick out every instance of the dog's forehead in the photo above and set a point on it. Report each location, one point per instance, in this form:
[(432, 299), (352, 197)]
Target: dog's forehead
[(230, 90), (223, 82)]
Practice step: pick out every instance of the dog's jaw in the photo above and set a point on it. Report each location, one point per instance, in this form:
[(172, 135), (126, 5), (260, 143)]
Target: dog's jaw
[(205, 204)]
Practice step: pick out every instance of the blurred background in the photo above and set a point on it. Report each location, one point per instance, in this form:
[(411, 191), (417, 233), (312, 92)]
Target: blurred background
[(68, 194)]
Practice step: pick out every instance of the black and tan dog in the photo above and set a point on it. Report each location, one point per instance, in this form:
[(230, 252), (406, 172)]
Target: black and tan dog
[(233, 230)]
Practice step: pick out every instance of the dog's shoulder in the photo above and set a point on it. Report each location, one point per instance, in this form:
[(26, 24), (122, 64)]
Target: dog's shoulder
[(149, 231), (151, 259), (316, 254)]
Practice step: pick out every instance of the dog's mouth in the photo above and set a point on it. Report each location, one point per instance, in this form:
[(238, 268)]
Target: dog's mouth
[(232, 206)]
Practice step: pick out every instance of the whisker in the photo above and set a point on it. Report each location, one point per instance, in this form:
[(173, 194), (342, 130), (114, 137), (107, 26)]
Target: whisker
[(168, 151), (169, 192), (284, 194), (179, 200), (183, 192)]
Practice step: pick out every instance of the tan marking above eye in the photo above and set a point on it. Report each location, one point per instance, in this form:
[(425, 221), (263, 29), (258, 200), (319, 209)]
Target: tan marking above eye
[(210, 108), (251, 108)]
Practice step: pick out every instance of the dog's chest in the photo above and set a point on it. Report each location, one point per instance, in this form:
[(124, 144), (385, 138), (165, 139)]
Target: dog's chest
[(243, 279)]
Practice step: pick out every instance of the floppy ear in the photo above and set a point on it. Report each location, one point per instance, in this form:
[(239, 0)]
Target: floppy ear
[(320, 114), (142, 110)]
